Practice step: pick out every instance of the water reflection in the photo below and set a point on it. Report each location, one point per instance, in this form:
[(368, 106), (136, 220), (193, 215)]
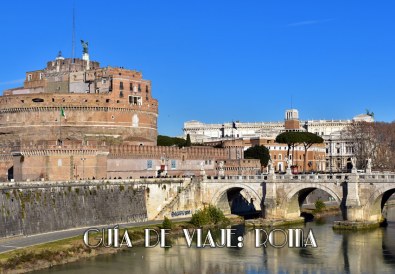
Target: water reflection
[(370, 251)]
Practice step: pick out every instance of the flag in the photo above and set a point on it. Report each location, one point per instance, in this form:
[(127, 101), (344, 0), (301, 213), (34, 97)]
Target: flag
[(234, 125), (63, 114)]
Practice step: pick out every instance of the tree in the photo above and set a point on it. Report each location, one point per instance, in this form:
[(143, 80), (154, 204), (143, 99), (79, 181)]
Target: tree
[(258, 152), (170, 141), (374, 140), (308, 139), (291, 139), (188, 143)]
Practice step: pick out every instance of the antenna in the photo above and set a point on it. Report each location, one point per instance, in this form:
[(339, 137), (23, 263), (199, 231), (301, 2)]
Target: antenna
[(73, 31)]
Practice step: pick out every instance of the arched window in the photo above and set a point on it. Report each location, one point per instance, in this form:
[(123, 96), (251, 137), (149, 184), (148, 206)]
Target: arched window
[(275, 157)]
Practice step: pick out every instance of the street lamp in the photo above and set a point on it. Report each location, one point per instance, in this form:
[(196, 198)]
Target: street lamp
[(83, 163), (330, 157)]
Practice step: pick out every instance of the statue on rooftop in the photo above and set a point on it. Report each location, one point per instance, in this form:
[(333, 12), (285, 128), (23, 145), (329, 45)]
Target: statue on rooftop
[(85, 46)]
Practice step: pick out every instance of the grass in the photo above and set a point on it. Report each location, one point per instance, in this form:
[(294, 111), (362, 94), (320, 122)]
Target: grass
[(313, 210), (62, 249)]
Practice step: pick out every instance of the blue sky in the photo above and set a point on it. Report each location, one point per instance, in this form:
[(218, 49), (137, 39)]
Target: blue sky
[(215, 61)]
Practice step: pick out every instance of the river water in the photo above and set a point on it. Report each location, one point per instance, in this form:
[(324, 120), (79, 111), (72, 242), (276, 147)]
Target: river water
[(371, 251)]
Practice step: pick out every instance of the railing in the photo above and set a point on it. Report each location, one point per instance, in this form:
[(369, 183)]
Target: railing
[(305, 177)]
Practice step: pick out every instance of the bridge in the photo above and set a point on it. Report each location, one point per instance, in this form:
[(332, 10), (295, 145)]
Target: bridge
[(29, 208), (361, 197)]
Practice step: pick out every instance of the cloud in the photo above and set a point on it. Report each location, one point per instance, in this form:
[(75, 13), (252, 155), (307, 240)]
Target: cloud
[(308, 22), (12, 82)]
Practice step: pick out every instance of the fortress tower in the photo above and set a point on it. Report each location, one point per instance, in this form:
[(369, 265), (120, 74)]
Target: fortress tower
[(111, 104)]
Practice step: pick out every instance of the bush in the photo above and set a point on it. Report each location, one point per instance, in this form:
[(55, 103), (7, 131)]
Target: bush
[(320, 205), (210, 214), (167, 223)]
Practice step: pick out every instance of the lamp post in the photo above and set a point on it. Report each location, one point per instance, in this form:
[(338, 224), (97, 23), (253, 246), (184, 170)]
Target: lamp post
[(83, 163), (330, 157)]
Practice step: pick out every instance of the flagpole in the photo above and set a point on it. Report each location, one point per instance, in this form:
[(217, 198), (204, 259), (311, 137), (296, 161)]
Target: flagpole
[(60, 125)]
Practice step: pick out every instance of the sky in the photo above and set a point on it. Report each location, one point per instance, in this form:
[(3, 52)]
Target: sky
[(214, 61)]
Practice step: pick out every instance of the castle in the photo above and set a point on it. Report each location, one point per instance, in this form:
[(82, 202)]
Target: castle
[(110, 131)]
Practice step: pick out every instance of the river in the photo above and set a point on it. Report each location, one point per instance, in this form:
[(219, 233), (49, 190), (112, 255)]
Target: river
[(371, 251)]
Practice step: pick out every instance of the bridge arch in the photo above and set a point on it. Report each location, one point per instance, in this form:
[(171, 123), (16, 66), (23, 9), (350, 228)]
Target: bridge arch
[(374, 206), (228, 193), (292, 201)]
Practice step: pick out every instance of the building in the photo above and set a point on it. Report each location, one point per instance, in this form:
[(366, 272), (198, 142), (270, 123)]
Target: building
[(111, 104), (334, 155), (111, 128)]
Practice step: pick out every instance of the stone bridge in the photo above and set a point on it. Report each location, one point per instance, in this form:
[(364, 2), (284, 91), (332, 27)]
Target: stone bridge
[(361, 196), (29, 208)]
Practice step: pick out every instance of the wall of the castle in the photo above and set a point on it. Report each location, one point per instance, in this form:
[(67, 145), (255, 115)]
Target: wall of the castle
[(41, 121), (44, 208)]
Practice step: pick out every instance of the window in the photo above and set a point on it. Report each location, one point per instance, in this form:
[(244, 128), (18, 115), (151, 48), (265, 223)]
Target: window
[(131, 86), (173, 164), (135, 100), (327, 150), (97, 90), (338, 150), (41, 76), (121, 85), (117, 101), (209, 162), (120, 74), (275, 157), (107, 100), (149, 164), (279, 156), (146, 89), (104, 81), (59, 162), (29, 77), (139, 88), (53, 100), (322, 133)]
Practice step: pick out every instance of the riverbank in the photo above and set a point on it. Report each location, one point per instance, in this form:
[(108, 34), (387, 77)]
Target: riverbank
[(73, 249), (307, 213)]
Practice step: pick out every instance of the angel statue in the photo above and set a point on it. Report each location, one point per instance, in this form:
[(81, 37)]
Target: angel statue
[(369, 163), (354, 162), (85, 46), (289, 162)]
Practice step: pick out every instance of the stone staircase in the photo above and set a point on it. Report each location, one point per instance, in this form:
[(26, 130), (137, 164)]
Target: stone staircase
[(175, 199)]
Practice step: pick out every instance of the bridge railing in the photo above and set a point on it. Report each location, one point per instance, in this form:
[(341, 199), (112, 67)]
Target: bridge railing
[(306, 177)]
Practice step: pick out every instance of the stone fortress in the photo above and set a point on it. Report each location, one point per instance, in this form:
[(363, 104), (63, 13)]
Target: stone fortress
[(110, 131)]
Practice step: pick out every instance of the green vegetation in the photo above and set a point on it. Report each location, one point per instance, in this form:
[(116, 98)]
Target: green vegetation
[(22, 158), (320, 205), (170, 141), (307, 139), (167, 224), (289, 138), (188, 142), (258, 152), (208, 215)]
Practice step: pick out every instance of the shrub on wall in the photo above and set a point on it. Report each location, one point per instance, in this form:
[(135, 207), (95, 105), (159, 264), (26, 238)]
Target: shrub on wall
[(22, 158)]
